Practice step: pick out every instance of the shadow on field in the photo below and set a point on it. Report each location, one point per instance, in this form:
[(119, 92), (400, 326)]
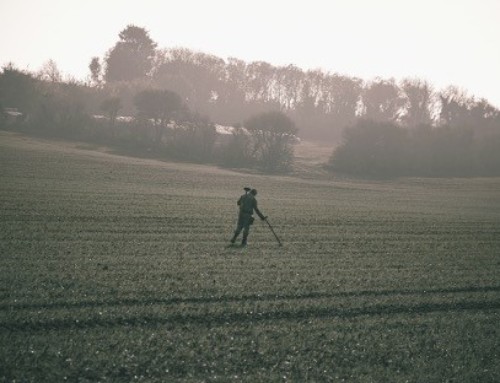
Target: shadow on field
[(204, 317), (225, 318), (244, 298)]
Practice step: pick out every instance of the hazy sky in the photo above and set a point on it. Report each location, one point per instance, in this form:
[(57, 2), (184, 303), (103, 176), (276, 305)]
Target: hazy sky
[(447, 42)]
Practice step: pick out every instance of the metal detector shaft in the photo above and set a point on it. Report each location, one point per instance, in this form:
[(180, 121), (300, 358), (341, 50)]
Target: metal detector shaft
[(272, 230)]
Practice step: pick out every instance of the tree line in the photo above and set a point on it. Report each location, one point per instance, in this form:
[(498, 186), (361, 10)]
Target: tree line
[(162, 88), (384, 149), (162, 124)]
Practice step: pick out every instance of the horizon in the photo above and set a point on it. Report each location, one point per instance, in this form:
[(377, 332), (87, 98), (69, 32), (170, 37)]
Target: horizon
[(430, 38)]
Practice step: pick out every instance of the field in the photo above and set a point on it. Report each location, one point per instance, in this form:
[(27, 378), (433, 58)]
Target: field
[(116, 269)]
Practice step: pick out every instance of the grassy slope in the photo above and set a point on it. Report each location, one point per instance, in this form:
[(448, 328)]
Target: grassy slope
[(115, 269)]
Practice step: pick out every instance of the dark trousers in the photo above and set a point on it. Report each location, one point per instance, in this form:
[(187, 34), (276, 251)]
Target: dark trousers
[(244, 222)]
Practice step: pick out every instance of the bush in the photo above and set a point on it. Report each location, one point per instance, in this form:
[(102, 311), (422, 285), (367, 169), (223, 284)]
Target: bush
[(236, 152), (272, 136), (384, 149), (372, 148)]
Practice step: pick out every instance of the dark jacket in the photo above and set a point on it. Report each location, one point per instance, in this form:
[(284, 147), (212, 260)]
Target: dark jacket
[(248, 204)]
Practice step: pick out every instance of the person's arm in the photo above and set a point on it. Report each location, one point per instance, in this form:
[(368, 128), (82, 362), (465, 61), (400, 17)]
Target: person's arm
[(262, 216)]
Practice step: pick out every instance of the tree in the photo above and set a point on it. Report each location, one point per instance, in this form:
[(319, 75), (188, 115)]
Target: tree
[(460, 110), (192, 138), (418, 96), (372, 148), (50, 72), (273, 134), (131, 57), (455, 107), (95, 71), (61, 109), (111, 106), (171, 73), (289, 83), (197, 77), (18, 89), (236, 153), (382, 101), (161, 106), (230, 105), (259, 76)]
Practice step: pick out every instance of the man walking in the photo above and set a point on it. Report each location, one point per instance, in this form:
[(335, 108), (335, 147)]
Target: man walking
[(247, 204)]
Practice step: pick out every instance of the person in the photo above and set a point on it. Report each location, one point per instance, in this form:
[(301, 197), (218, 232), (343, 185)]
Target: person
[(248, 204)]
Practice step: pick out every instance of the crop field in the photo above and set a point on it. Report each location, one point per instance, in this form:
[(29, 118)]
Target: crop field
[(117, 269)]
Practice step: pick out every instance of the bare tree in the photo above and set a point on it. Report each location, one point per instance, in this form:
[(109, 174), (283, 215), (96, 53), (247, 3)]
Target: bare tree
[(417, 109), (272, 138), (382, 101), (50, 72)]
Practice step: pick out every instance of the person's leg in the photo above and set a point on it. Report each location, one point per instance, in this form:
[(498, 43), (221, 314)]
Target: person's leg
[(237, 232), (246, 231)]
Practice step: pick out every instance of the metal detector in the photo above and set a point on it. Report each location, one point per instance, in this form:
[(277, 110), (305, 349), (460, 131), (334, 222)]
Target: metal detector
[(272, 230)]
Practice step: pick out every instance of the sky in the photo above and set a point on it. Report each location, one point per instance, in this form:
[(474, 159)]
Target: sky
[(445, 42)]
